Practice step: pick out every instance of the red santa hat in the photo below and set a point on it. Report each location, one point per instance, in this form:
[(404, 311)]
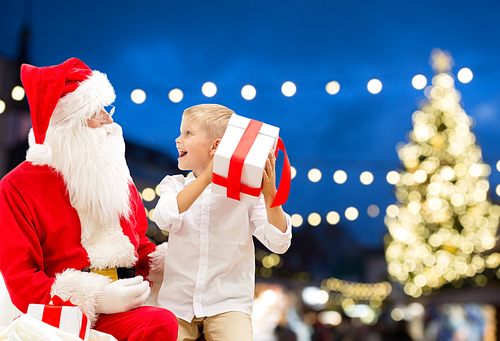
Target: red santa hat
[(70, 91)]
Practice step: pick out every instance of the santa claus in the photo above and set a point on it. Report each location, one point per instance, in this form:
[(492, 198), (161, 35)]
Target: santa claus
[(72, 223)]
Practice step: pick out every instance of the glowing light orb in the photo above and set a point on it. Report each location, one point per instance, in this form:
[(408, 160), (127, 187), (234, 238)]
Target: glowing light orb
[(138, 96)]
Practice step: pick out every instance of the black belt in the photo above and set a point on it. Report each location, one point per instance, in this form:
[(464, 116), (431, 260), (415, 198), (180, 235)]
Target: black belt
[(126, 272)]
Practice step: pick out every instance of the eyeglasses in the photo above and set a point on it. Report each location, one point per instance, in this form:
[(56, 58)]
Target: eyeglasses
[(103, 117)]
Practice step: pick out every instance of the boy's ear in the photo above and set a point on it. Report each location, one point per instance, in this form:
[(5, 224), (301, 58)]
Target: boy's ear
[(214, 146)]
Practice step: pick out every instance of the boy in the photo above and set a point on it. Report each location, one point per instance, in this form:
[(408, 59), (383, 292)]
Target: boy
[(209, 264)]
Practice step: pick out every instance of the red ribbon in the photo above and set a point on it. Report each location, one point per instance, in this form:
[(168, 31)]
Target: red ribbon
[(222, 181), (52, 314), (238, 159), (56, 300), (286, 177), (233, 181)]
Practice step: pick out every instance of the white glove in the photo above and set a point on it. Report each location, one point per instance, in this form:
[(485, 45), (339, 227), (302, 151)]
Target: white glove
[(123, 295)]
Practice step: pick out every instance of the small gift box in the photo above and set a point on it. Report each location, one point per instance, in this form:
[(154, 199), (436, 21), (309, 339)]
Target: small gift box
[(63, 315), (241, 158)]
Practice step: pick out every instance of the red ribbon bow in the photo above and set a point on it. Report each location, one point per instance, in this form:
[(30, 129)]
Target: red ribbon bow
[(57, 301), (52, 314)]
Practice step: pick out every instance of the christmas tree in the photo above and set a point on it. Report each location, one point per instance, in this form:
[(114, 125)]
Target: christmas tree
[(443, 220)]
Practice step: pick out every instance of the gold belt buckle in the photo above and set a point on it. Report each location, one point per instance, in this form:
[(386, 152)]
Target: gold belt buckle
[(111, 273)]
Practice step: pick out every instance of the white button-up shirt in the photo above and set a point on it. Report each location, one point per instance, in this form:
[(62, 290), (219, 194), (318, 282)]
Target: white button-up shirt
[(210, 259)]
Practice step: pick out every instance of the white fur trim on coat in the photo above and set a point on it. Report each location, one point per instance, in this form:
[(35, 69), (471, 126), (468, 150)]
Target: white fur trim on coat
[(107, 246), (156, 268), (83, 288)]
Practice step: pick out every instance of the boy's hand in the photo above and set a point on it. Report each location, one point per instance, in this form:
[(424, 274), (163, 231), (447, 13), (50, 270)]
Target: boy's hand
[(275, 215), (188, 195), (207, 174), (269, 179)]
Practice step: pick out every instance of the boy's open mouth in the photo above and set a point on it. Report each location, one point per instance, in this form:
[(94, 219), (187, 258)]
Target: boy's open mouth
[(182, 152)]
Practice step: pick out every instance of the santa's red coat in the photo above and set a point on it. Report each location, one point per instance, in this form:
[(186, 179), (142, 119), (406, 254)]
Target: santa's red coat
[(40, 233)]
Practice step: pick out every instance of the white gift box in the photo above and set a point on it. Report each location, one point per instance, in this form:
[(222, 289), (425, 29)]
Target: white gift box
[(67, 318), (254, 162)]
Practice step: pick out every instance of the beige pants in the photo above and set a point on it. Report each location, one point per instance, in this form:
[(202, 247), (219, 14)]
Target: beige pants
[(230, 326)]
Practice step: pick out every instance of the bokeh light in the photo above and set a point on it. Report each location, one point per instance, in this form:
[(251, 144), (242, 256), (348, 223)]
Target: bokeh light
[(415, 309), (331, 317), (2, 106), (419, 82), (138, 96), (374, 86), (248, 92), (397, 314), (314, 296), (366, 178), (465, 75), (351, 213), (150, 216), (314, 175), (392, 177), (209, 89), (333, 87), (332, 218), (175, 95), (392, 211), (269, 297), (148, 194), (18, 93), (288, 89), (340, 177), (297, 220), (373, 211), (314, 219)]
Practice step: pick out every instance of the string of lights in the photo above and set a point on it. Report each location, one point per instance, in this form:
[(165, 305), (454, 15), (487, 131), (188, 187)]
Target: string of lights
[(288, 88)]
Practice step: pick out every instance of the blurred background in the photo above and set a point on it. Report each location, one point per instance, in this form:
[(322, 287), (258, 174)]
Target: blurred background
[(389, 112)]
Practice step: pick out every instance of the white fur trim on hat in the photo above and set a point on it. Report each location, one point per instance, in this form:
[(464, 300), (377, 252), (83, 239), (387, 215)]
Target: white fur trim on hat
[(90, 96)]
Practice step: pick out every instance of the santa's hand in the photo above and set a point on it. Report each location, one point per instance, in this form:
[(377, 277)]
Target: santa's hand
[(123, 295)]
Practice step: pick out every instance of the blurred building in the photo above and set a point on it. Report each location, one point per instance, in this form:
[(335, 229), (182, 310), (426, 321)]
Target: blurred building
[(14, 117)]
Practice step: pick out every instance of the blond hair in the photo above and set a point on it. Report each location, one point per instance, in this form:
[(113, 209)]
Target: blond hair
[(212, 118)]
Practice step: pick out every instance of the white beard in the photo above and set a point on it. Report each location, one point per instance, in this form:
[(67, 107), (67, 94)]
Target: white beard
[(92, 163)]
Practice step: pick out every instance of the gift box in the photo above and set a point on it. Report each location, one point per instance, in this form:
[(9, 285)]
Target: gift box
[(241, 158), (63, 315)]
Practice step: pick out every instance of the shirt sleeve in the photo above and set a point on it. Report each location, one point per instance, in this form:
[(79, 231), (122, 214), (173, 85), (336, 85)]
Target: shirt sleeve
[(166, 214), (268, 234)]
